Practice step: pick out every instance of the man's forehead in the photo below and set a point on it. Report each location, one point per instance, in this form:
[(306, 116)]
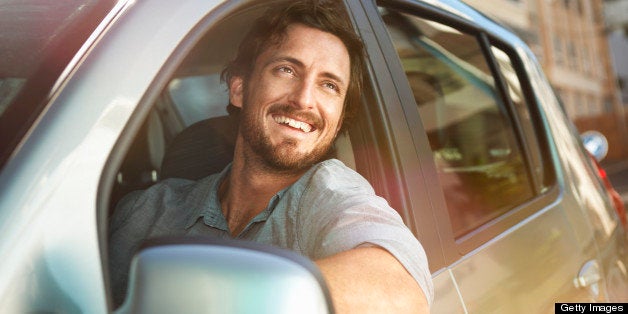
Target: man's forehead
[(308, 41)]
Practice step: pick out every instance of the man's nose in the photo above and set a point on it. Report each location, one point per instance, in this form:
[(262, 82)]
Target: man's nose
[(302, 95)]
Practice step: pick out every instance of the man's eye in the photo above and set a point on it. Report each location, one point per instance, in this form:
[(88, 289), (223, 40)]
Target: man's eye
[(331, 86), (285, 70)]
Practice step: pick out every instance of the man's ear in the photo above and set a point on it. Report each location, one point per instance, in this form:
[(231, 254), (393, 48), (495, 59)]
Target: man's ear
[(236, 91)]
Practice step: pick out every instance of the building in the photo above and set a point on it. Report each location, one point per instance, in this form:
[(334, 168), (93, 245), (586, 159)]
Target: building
[(616, 13), (570, 39)]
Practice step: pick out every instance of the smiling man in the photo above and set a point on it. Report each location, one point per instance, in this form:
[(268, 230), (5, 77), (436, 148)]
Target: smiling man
[(296, 80), (290, 117)]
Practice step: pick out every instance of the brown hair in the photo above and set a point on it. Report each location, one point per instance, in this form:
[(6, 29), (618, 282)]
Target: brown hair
[(270, 29)]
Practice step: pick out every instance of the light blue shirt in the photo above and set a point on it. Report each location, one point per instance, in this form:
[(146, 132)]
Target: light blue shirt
[(330, 209)]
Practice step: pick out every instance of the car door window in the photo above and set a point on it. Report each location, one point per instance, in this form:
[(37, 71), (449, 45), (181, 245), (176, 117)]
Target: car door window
[(481, 165), (37, 41)]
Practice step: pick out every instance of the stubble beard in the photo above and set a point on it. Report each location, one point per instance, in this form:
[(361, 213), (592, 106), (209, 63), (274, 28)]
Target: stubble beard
[(283, 156)]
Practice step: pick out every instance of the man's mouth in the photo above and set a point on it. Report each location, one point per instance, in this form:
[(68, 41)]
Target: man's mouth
[(300, 125)]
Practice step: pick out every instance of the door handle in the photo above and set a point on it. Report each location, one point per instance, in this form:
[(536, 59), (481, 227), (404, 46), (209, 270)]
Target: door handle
[(589, 276)]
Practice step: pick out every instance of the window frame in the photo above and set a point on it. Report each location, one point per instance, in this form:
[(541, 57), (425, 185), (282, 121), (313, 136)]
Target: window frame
[(454, 248), (394, 166)]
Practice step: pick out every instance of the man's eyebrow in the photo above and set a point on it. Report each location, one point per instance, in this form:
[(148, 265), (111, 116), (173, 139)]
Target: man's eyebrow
[(298, 63)]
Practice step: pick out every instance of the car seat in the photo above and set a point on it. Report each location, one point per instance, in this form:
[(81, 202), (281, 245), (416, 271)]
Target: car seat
[(201, 149)]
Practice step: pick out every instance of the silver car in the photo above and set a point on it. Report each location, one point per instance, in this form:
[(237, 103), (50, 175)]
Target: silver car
[(459, 130)]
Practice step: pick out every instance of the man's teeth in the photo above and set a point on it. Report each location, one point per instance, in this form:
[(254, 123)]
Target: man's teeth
[(305, 127)]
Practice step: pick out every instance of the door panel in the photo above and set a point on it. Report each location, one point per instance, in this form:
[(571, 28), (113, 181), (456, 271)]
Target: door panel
[(527, 270), (448, 299)]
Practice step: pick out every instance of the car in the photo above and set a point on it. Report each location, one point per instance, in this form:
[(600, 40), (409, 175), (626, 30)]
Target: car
[(459, 130)]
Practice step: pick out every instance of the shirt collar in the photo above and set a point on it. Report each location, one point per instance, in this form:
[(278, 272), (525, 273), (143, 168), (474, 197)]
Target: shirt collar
[(210, 209), (208, 206)]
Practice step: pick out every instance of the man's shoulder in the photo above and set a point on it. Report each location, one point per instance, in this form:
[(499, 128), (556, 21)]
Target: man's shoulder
[(334, 175), (176, 187), (172, 190), (162, 201)]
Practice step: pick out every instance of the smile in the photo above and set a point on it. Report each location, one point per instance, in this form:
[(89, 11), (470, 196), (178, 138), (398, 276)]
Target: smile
[(303, 126)]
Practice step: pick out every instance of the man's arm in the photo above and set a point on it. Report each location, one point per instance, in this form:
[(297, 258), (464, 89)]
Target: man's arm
[(371, 280)]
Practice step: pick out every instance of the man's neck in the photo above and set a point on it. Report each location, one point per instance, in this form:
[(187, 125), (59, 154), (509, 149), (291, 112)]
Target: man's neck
[(248, 189)]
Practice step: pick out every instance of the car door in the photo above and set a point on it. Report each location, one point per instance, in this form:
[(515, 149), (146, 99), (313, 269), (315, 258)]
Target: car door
[(513, 239)]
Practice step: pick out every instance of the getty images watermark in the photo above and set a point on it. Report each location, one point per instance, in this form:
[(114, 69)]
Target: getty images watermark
[(591, 308)]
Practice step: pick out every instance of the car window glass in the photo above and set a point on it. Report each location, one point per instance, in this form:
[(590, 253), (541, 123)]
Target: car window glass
[(37, 41), (199, 97), (479, 160), (9, 88)]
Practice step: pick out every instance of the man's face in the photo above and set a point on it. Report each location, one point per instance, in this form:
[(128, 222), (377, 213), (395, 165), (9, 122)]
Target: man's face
[(292, 103)]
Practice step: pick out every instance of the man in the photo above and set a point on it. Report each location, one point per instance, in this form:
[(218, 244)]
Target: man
[(296, 77)]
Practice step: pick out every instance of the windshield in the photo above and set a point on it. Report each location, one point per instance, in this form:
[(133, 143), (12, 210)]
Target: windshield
[(37, 40)]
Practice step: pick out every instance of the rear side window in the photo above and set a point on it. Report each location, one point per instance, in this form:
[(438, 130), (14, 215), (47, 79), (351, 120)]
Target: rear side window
[(481, 164), (198, 97)]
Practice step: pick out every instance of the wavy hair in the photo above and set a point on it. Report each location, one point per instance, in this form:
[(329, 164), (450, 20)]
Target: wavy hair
[(270, 29)]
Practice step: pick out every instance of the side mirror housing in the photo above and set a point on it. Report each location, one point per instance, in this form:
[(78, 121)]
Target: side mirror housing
[(596, 143), (200, 275)]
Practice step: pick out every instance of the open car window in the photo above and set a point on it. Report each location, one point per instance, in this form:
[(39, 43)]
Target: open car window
[(188, 132)]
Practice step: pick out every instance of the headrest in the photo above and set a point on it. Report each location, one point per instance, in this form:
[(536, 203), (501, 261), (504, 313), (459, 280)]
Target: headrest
[(201, 149)]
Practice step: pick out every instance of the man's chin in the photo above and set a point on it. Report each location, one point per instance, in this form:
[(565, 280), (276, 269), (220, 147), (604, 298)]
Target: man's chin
[(287, 155), (289, 160)]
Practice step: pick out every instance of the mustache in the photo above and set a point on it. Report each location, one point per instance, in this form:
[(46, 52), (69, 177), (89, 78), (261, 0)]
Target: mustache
[(302, 115)]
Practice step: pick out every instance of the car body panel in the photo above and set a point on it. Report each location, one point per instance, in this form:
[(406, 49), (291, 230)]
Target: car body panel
[(49, 236), (53, 190), (565, 224), (448, 298)]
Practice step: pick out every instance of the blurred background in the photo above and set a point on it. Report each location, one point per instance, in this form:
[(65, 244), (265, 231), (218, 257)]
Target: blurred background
[(582, 46)]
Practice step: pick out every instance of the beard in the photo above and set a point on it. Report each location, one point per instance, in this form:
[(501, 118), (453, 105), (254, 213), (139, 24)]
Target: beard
[(283, 156)]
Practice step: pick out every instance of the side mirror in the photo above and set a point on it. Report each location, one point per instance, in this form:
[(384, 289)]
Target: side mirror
[(596, 143), (200, 275)]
